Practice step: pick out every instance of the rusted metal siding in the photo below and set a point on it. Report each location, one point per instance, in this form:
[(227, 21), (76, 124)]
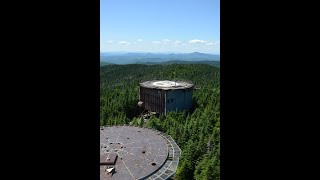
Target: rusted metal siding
[(154, 99)]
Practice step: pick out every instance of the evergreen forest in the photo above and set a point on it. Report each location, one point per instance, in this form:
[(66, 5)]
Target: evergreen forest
[(197, 132)]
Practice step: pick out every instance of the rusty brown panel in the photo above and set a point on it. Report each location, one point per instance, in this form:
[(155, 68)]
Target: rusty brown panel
[(144, 93), (153, 100), (157, 104), (161, 106), (150, 102), (159, 101), (156, 100), (148, 98), (145, 97), (162, 100), (159, 94)]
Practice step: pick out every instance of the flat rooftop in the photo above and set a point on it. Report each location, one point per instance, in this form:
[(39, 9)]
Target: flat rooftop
[(136, 153), (166, 84)]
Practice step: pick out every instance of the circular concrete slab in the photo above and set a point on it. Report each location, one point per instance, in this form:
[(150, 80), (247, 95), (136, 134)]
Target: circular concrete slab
[(166, 84), (140, 152)]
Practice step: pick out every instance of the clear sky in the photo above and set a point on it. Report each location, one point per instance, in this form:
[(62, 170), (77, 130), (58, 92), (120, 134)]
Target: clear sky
[(160, 26)]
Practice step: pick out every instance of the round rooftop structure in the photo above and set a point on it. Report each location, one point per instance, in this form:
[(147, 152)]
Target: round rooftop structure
[(162, 96), (166, 84), (130, 153)]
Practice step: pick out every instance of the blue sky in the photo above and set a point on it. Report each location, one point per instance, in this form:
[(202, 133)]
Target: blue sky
[(160, 26)]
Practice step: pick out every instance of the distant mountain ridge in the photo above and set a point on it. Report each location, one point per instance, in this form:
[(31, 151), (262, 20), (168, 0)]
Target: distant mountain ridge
[(132, 58), (213, 63)]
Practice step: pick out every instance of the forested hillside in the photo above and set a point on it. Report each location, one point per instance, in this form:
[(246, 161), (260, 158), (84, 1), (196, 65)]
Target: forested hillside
[(196, 132)]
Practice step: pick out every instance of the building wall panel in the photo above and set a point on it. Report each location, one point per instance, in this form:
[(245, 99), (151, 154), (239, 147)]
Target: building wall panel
[(178, 100), (153, 99)]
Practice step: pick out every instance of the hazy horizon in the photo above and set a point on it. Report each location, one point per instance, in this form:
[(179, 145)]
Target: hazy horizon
[(164, 52)]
